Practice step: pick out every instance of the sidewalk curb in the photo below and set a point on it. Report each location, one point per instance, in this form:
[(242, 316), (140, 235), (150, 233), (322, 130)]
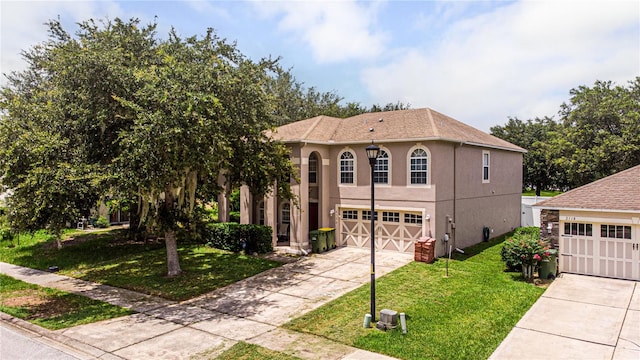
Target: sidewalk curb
[(79, 349)]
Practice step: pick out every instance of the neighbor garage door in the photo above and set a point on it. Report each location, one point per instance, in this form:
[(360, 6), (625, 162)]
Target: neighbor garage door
[(603, 249), (396, 230)]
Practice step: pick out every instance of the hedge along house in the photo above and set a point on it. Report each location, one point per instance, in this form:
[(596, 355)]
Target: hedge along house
[(597, 226), (434, 176)]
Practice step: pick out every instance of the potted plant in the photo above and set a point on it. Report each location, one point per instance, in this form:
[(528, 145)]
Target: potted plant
[(525, 251)]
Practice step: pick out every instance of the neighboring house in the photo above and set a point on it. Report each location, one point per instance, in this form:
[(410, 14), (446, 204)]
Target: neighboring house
[(531, 215), (434, 176), (597, 226)]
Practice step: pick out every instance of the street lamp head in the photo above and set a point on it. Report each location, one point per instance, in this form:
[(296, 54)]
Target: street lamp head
[(372, 153)]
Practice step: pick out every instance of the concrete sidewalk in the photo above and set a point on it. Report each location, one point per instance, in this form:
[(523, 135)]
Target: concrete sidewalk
[(579, 317), (251, 310)]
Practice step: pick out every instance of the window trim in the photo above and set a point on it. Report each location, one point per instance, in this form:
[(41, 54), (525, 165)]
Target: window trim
[(355, 167), (389, 169), (486, 154), (313, 156), (281, 218), (409, 157)]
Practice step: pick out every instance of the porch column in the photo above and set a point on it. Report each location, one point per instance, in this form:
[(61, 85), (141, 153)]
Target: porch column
[(271, 214), (246, 205), (326, 220)]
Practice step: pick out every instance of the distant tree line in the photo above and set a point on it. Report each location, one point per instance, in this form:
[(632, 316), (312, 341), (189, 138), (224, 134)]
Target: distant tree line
[(296, 102), (597, 135)]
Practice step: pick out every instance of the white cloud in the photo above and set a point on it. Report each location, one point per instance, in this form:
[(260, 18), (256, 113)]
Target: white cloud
[(334, 31), (518, 60), (22, 25)]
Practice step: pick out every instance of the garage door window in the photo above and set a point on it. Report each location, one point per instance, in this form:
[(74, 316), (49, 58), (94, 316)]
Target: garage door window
[(390, 216), (412, 219), (350, 214), (615, 231), (366, 215), (578, 229)]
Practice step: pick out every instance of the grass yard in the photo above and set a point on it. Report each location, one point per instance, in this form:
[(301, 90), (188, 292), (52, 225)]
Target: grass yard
[(246, 351), (549, 193), (52, 309), (463, 316), (110, 258)]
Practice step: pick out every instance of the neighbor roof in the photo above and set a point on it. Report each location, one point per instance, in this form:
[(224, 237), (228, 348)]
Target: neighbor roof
[(618, 192), (391, 126)]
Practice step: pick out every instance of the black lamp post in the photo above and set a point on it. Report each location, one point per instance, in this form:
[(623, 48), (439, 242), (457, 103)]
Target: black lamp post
[(372, 154)]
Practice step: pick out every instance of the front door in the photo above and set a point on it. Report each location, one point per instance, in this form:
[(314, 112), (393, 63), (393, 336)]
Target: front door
[(313, 216)]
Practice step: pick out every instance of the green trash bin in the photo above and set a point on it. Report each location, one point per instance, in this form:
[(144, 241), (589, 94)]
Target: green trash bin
[(331, 237), (315, 241), (548, 268), (322, 240)]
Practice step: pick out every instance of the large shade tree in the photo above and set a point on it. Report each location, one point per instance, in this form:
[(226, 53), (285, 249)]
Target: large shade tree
[(114, 109), (600, 132)]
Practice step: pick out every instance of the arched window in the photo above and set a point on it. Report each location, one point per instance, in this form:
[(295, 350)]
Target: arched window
[(419, 167), (313, 168), (347, 168), (381, 169)]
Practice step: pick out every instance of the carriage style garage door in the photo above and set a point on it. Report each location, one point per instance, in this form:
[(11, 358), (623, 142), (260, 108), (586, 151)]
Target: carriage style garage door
[(603, 249), (395, 230)]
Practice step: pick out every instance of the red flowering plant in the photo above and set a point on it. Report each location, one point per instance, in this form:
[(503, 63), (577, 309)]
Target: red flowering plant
[(525, 248)]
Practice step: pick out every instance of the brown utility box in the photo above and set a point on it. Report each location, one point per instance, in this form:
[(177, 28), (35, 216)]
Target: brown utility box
[(425, 250)]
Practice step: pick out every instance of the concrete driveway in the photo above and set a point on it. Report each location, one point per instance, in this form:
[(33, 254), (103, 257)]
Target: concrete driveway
[(579, 317)]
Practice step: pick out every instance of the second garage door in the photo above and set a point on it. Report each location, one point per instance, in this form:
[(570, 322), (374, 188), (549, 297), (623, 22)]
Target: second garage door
[(603, 249)]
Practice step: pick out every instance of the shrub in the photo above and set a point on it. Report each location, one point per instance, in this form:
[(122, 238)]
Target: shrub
[(524, 248), (234, 216), (102, 222), (6, 234), (239, 237)]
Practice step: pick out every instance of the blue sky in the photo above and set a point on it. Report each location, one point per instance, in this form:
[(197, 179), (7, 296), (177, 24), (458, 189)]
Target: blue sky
[(477, 61)]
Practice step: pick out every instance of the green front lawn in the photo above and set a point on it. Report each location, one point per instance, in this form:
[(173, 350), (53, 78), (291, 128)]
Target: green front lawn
[(110, 258), (463, 316), (246, 351), (52, 309), (549, 193)]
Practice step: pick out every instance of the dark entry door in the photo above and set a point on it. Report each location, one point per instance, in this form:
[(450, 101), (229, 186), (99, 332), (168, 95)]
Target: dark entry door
[(313, 216)]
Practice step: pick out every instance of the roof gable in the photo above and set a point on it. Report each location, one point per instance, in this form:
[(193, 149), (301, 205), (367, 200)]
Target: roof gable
[(619, 192), (401, 125)]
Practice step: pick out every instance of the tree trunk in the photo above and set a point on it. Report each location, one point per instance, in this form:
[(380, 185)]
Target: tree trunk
[(173, 262)]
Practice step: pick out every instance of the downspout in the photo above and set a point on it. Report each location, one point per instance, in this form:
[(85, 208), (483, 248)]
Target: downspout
[(455, 185)]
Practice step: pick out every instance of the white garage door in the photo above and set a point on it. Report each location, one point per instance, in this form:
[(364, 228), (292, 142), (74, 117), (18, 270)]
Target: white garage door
[(395, 230), (609, 250)]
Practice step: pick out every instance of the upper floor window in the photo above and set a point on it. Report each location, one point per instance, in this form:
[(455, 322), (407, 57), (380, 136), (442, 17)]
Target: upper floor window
[(313, 168), (419, 167), (485, 166), (347, 167), (381, 168)]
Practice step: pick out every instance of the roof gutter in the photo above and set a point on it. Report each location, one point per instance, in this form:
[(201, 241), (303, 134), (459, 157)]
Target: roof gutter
[(540, 207), (383, 141)]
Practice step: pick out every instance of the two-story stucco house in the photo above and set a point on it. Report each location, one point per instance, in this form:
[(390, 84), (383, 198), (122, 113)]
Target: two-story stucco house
[(434, 176)]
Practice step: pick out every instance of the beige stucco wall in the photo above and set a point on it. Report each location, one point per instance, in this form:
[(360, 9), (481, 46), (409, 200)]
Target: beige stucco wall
[(495, 204)]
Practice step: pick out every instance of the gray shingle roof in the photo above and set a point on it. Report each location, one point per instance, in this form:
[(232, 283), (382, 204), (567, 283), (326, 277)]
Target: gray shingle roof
[(402, 125), (619, 192)]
